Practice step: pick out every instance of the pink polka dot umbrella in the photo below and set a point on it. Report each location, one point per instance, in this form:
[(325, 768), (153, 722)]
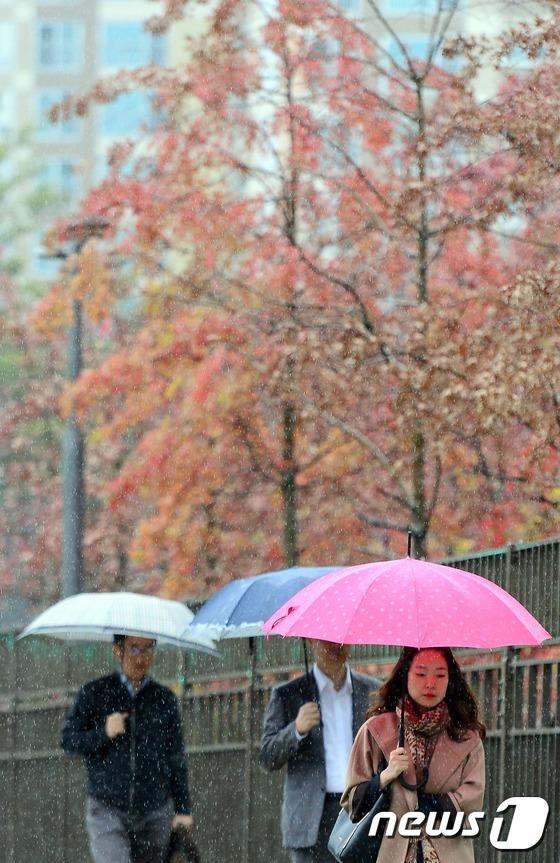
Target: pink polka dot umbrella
[(410, 603)]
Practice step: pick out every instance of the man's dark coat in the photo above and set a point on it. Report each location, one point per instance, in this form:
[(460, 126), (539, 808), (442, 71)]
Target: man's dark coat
[(139, 771)]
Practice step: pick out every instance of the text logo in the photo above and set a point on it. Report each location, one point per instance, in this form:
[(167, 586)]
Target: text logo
[(530, 815), (528, 823), (411, 823)]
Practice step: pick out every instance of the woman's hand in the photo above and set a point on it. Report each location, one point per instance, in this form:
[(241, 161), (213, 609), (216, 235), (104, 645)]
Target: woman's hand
[(398, 763)]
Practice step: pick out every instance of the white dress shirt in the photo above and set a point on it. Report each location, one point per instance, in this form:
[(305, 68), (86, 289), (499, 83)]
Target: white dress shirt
[(336, 718)]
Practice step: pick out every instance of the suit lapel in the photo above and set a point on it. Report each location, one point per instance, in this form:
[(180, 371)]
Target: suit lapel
[(360, 695), (309, 691)]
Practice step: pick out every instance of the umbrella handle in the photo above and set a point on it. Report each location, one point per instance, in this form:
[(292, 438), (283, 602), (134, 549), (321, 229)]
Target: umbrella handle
[(305, 657), (412, 786), (307, 672)]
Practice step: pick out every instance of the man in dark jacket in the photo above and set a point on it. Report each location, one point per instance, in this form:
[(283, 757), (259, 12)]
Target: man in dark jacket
[(128, 729), (309, 725)]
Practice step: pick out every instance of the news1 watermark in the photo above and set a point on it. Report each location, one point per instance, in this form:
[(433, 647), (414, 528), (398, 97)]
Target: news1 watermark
[(527, 824)]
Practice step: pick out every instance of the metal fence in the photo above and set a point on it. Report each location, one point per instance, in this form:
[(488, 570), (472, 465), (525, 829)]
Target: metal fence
[(236, 803)]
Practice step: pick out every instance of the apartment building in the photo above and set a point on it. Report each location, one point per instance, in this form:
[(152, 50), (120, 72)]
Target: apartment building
[(50, 49)]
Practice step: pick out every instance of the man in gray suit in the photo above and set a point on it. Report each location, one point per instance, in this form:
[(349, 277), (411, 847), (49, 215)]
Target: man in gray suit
[(310, 724)]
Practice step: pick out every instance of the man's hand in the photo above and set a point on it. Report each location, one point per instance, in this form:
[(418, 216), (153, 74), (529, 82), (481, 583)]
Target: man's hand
[(186, 821), (308, 717), (114, 724)]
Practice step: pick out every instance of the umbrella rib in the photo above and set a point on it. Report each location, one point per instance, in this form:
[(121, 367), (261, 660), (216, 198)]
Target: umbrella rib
[(414, 577)]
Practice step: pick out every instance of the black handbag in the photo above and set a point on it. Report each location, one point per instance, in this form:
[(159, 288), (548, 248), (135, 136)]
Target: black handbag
[(350, 841), (182, 847)]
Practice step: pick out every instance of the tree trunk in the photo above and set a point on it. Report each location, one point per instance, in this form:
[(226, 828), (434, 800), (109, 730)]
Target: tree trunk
[(288, 486), (419, 512), (420, 509)]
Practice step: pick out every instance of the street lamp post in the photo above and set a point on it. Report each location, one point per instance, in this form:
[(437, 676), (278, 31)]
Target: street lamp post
[(73, 492), (73, 450)]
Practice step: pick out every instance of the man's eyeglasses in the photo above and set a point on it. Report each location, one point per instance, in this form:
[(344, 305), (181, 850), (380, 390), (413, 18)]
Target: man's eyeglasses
[(136, 650)]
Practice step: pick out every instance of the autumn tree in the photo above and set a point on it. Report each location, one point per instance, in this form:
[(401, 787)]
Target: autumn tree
[(323, 228)]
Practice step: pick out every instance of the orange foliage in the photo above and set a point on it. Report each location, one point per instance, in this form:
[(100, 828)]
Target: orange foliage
[(327, 302)]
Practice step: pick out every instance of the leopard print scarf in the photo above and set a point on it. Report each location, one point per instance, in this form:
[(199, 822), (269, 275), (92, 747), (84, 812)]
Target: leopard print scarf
[(422, 729)]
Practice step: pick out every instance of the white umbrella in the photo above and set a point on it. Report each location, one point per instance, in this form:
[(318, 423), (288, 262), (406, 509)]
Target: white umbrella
[(99, 616)]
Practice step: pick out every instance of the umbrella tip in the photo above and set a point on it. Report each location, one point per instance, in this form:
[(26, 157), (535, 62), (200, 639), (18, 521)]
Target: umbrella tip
[(409, 542)]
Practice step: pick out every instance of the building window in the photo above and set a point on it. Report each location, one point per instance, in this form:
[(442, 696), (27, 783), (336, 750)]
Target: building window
[(46, 130), (127, 45), (43, 265), (60, 45), (400, 7), (8, 46), (517, 59), (128, 113), (418, 47), (62, 177), (8, 111)]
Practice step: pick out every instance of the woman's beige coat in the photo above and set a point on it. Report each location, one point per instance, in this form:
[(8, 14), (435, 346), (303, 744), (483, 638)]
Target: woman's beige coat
[(457, 769)]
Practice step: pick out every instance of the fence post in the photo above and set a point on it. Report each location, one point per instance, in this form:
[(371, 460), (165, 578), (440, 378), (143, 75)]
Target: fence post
[(506, 710), (66, 852), (507, 690), (12, 729), (248, 791)]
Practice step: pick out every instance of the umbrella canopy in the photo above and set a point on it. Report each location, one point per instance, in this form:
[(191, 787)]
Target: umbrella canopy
[(410, 603), (99, 616), (240, 608)]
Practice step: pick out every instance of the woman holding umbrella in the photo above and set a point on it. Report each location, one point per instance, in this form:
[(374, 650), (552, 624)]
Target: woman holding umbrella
[(421, 603), (439, 769)]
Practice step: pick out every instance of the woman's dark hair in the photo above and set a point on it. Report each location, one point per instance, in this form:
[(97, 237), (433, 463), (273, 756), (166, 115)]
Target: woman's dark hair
[(460, 700)]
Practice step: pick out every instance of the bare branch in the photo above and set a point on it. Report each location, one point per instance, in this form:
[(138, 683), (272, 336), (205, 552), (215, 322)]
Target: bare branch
[(378, 454), (435, 491), (384, 525)]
